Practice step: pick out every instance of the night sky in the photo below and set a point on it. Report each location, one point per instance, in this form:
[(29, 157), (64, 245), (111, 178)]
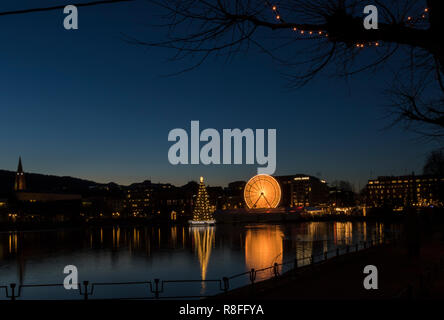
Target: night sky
[(86, 103)]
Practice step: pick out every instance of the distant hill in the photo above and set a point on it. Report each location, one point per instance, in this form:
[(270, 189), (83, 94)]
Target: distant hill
[(46, 183)]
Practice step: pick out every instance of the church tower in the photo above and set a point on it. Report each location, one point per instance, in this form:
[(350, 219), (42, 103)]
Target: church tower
[(20, 183)]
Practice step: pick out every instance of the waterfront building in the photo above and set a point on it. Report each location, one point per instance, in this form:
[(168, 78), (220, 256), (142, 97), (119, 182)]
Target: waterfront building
[(147, 199), (302, 190), (234, 195), (138, 199), (401, 191), (339, 197), (28, 204), (22, 193), (3, 210)]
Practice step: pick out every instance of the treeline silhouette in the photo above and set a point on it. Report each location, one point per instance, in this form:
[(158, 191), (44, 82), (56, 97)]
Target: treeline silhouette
[(46, 183)]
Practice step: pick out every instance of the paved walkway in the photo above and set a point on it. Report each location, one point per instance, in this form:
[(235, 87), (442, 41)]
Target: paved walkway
[(342, 277)]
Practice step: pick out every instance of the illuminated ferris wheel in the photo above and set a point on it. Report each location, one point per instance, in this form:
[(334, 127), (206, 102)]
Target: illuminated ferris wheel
[(262, 191)]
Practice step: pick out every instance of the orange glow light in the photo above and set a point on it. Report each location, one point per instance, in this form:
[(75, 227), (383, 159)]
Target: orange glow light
[(262, 191)]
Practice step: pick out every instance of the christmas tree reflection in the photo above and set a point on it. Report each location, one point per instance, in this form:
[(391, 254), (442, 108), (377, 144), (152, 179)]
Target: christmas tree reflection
[(203, 238)]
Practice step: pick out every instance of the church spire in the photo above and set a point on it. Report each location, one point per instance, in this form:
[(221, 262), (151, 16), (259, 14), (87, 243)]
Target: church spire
[(20, 183), (20, 167)]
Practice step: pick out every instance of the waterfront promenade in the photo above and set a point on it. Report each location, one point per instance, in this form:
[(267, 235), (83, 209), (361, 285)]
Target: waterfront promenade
[(342, 277)]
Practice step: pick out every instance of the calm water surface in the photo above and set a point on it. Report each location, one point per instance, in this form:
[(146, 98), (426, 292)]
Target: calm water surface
[(122, 254)]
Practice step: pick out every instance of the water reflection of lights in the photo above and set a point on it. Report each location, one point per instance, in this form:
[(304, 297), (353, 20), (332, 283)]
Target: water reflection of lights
[(343, 232), (116, 237), (263, 248), (203, 238), (13, 242), (174, 236)]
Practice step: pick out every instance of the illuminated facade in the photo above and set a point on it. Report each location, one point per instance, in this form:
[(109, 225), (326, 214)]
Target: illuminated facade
[(138, 199), (303, 190), (147, 199), (234, 195), (401, 191), (262, 191)]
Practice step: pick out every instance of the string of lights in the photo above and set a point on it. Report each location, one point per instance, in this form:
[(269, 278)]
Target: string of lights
[(420, 18), (275, 10), (278, 16)]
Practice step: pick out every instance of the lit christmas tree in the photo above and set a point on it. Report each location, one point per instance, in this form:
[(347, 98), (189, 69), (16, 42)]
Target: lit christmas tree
[(202, 211)]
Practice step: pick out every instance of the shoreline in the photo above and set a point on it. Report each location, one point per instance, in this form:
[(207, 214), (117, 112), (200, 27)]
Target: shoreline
[(341, 278), (23, 227)]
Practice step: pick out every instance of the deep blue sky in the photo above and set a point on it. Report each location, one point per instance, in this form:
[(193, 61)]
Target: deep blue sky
[(85, 103)]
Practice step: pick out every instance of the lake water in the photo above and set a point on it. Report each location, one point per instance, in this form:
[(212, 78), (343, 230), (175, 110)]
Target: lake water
[(127, 254)]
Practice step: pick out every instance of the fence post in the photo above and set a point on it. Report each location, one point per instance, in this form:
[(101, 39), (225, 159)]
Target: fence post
[(348, 249), (325, 255), (12, 285), (226, 283), (275, 270), (337, 252), (156, 288), (357, 247), (85, 285), (295, 263), (252, 275), (312, 261), (365, 244)]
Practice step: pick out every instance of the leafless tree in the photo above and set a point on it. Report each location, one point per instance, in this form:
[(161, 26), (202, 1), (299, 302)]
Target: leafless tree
[(309, 36), (435, 163)]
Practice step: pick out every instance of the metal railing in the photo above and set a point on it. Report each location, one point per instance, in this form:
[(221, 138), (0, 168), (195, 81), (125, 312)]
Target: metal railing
[(157, 287)]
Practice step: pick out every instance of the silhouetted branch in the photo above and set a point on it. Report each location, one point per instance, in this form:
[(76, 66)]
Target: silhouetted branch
[(327, 31), (81, 4)]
